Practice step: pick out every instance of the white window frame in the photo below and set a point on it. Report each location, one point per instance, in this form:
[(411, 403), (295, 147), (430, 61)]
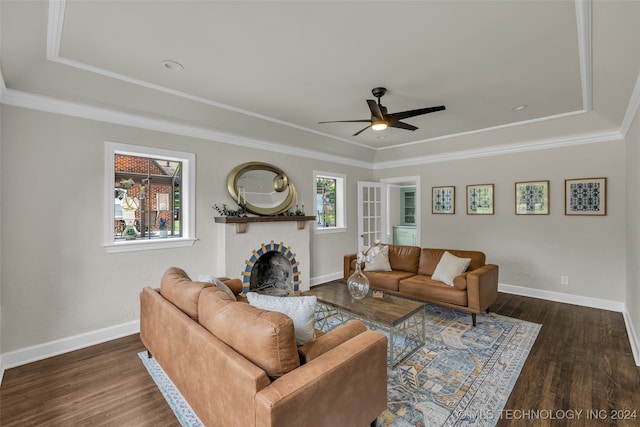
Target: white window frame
[(341, 202), (188, 206)]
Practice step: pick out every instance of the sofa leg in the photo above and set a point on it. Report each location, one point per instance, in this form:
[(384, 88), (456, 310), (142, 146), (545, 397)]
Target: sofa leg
[(374, 423), (149, 356), (473, 318)]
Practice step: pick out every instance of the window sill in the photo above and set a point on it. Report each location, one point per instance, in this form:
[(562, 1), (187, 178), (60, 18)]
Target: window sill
[(148, 245), (329, 230)]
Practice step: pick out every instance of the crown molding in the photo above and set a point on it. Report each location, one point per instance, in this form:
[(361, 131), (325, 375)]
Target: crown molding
[(86, 111), (583, 20), (73, 109), (476, 131), (54, 38), (541, 144), (632, 108)]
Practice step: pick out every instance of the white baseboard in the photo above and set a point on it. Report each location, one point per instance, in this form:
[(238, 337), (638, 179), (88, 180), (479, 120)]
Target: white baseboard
[(633, 337), (602, 304), (326, 278), (65, 345)]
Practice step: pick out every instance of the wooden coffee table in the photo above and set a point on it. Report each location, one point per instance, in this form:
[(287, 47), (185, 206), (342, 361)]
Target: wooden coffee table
[(403, 319)]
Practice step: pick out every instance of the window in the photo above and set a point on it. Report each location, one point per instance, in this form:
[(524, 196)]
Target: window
[(329, 202), (149, 198)]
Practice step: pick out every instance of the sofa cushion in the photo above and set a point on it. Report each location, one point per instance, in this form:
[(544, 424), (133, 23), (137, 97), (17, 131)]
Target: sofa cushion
[(386, 279), (449, 267), (429, 259), (300, 309), (423, 287), (378, 259), (404, 258), (214, 280), (266, 338), (177, 287), (234, 284)]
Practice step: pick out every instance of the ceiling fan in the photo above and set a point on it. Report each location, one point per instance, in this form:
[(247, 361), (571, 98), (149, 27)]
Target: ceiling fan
[(380, 119)]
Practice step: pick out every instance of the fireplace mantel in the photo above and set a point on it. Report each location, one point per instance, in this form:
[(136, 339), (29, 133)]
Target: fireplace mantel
[(242, 221), (236, 248)]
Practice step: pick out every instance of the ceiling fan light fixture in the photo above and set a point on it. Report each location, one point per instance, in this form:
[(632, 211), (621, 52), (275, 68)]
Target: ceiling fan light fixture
[(379, 125)]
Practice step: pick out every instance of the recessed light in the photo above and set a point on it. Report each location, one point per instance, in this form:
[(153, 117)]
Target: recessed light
[(520, 107), (172, 65)]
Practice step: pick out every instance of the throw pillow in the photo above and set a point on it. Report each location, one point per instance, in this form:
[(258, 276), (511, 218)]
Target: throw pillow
[(299, 309), (217, 282), (449, 267), (378, 259)]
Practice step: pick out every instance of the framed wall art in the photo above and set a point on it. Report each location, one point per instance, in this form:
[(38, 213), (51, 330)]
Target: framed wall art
[(443, 200), (585, 196), (480, 199), (532, 198)]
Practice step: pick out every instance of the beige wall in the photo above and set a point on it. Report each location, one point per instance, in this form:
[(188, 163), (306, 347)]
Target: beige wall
[(632, 297), (534, 251), (57, 280)]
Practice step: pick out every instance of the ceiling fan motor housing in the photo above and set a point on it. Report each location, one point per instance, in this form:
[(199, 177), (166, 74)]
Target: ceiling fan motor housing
[(379, 92)]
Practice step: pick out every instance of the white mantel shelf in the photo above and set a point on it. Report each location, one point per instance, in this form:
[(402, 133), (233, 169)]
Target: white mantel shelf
[(242, 221)]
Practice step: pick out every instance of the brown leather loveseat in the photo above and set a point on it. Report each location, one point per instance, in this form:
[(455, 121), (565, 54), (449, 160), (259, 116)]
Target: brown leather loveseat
[(237, 365), (411, 274)]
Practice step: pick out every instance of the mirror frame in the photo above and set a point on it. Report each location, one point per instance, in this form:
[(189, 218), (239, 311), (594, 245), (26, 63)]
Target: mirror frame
[(280, 183)]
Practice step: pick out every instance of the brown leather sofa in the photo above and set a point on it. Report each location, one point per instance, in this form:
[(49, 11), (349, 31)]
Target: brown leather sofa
[(237, 365), (412, 267)]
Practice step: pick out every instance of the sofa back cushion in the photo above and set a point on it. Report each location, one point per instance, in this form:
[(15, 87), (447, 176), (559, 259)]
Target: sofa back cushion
[(266, 338), (429, 259), (404, 258), (177, 287)]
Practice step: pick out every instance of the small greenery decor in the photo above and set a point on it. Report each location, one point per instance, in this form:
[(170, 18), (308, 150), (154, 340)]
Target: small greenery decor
[(241, 212), (297, 212), (224, 211)]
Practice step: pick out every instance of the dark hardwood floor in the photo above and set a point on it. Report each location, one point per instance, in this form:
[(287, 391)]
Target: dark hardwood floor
[(581, 361)]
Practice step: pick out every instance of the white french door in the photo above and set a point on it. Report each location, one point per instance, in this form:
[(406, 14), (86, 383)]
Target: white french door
[(372, 213)]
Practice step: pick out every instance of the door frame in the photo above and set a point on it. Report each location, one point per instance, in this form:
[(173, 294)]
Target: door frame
[(403, 181)]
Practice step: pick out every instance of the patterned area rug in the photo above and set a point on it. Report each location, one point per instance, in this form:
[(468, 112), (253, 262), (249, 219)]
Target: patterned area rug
[(462, 376), (180, 407)]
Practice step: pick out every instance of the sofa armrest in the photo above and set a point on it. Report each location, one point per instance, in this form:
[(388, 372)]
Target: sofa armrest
[(348, 262), (482, 287), (322, 392), (330, 340)]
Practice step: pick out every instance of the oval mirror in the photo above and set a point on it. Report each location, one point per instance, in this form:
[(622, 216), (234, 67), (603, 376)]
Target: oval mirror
[(261, 188)]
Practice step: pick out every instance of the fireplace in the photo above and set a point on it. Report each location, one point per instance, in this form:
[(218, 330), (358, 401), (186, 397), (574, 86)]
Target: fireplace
[(239, 250), (272, 270)]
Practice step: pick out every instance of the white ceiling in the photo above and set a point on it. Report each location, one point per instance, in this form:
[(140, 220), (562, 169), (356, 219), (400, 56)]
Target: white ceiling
[(269, 71)]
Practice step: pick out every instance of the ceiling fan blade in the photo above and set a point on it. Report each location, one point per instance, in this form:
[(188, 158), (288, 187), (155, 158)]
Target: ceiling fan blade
[(348, 121), (412, 113), (360, 131), (401, 125), (375, 109)]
